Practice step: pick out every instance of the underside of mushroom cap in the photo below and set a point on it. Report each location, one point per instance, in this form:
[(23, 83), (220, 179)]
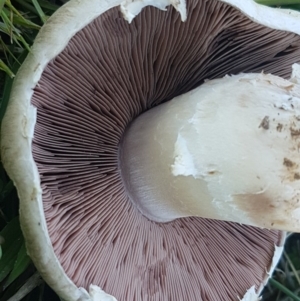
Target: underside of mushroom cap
[(76, 215)]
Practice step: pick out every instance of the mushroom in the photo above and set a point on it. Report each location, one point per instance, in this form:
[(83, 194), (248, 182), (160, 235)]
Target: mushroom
[(92, 71)]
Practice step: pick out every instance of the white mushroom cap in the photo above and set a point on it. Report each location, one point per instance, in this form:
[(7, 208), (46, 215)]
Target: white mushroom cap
[(18, 131)]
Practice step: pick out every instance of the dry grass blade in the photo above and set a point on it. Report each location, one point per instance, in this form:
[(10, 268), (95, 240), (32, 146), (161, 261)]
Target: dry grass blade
[(34, 281)]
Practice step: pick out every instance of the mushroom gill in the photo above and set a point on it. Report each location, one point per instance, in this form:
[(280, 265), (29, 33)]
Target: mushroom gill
[(110, 73)]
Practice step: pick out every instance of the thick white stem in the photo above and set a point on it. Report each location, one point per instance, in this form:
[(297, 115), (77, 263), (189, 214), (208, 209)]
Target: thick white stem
[(228, 150)]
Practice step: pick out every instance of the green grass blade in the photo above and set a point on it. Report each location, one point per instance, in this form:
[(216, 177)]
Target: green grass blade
[(47, 5), (7, 51), (7, 189), (8, 85), (9, 28), (4, 28), (278, 2), (19, 20), (21, 264), (10, 231), (284, 289), (10, 248), (291, 264), (25, 44), (2, 2), (6, 69), (26, 6), (39, 11), (294, 7)]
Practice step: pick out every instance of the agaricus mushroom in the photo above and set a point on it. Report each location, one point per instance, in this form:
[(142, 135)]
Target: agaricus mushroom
[(93, 69)]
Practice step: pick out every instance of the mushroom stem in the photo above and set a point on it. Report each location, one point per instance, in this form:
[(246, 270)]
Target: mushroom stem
[(228, 150)]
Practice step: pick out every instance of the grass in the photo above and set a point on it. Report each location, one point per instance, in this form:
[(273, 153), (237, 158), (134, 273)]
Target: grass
[(20, 21)]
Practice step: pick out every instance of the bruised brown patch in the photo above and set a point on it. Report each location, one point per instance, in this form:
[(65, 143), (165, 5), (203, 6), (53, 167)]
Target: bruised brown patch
[(279, 127), (297, 176), (295, 132), (265, 123), (213, 172), (292, 170), (288, 163), (263, 210), (289, 87)]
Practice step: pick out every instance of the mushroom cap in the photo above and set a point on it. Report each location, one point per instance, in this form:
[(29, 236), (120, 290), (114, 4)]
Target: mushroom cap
[(21, 132)]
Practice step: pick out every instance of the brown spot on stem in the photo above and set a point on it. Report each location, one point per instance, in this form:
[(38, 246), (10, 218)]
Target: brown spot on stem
[(256, 206), (288, 163), (288, 88), (265, 123), (297, 176), (295, 132), (279, 127), (265, 211)]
